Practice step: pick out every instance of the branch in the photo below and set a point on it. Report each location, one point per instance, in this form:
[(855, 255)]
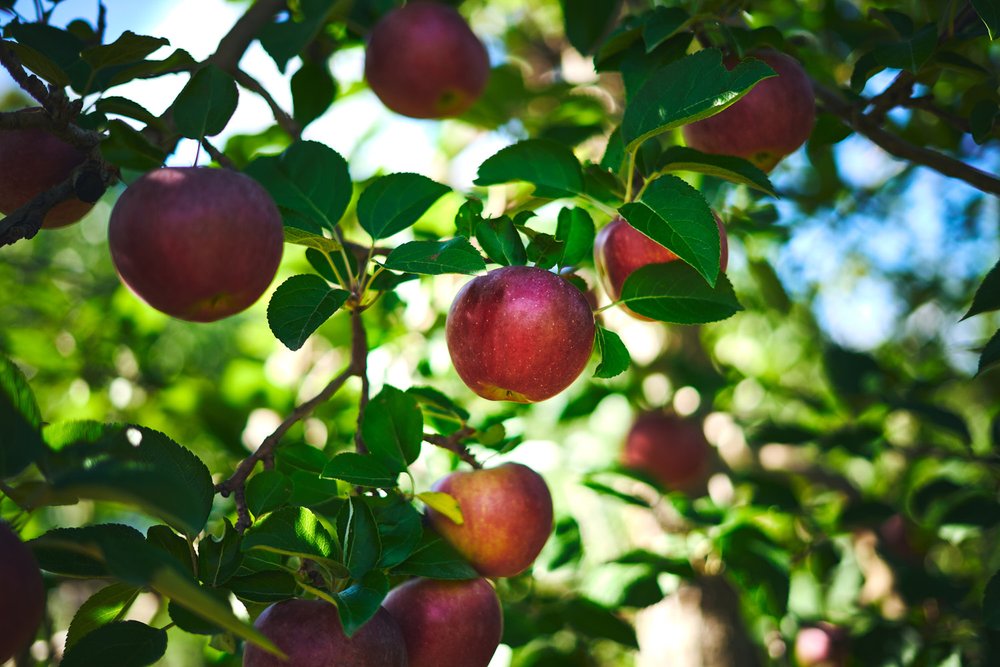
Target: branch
[(236, 484), (928, 104), (453, 443), (232, 47), (30, 83), (284, 120), (901, 148), (35, 118), (218, 155)]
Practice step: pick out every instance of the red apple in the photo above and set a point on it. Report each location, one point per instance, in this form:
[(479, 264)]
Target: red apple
[(423, 61), (766, 124), (671, 450), (196, 243), (22, 595), (520, 334), (507, 517), (310, 634), (33, 161), (620, 249), (823, 645), (448, 622)]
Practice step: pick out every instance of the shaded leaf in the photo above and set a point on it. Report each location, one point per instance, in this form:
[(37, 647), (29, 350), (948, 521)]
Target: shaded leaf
[(205, 105), (675, 293), (105, 606), (359, 602), (550, 167), (301, 305), (394, 202), (393, 428), (734, 169), (360, 470), (436, 257), (119, 644), (615, 358)]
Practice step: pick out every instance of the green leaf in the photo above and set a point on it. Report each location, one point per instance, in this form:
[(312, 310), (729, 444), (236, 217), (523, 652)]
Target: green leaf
[(46, 50), (303, 465), (166, 540), (394, 202), (393, 428), (990, 355), (686, 90), (128, 48), (501, 242), (264, 587), (219, 559), (20, 438), (400, 528), (759, 566), (323, 244), (444, 414), (122, 106), (359, 537), (575, 228), (76, 552), (675, 293), (299, 306), (550, 167), (105, 606), (661, 24), (179, 60), (121, 644), (435, 559), (988, 295), (592, 620), (443, 503), (293, 531), (360, 470), (908, 54), (205, 105), (469, 215), (139, 467), (192, 622), (267, 491), (313, 90), (286, 39), (308, 179), (436, 257), (358, 603), (615, 358), (676, 216), (126, 147), (989, 12), (545, 251), (734, 169), (587, 21)]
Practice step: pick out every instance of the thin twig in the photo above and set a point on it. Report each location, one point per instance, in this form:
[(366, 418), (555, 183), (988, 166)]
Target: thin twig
[(236, 484), (453, 443), (30, 83), (218, 155), (284, 120), (901, 148)]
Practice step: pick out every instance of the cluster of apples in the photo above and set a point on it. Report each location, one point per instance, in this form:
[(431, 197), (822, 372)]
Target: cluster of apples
[(506, 520)]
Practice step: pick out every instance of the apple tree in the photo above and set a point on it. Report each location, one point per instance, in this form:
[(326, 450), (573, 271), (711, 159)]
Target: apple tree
[(673, 347)]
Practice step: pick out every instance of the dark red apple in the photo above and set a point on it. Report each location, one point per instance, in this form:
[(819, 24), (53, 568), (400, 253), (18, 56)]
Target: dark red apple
[(823, 645), (22, 595), (196, 243), (32, 161), (310, 634), (423, 61), (448, 622), (520, 334), (620, 249), (671, 450), (766, 124), (507, 517)]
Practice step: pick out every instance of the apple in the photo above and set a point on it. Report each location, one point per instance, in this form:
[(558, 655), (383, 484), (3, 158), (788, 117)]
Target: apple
[(22, 595), (671, 450), (520, 334), (822, 645), (447, 622), (506, 517), (33, 161), (196, 243), (310, 634), (424, 61), (620, 249), (766, 124)]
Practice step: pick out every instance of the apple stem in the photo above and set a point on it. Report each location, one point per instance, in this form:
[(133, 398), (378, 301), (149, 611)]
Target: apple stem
[(359, 362), (453, 443), (631, 176)]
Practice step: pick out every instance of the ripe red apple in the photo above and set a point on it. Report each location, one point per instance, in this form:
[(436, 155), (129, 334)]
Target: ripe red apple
[(620, 249), (22, 595), (823, 645), (766, 124), (310, 634), (32, 161), (423, 61), (196, 243), (670, 449), (448, 622), (507, 517), (520, 334)]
